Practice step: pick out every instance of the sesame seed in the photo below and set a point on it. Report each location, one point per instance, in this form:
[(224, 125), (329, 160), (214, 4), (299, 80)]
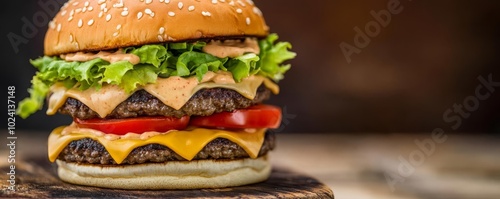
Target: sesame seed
[(58, 27), (171, 13), (250, 2), (162, 30), (241, 3), (191, 8), (90, 8), (86, 4), (239, 10), (103, 6), (90, 22), (161, 1), (222, 1), (139, 15), (100, 14), (63, 13), (149, 12), (206, 13), (167, 1), (78, 10), (71, 37), (180, 5), (84, 9), (101, 1), (115, 34), (125, 13), (149, 1), (76, 3), (72, 12), (257, 11), (105, 10), (52, 24), (231, 3), (118, 26), (70, 18), (118, 5), (80, 23), (248, 20), (160, 38), (214, 1), (108, 17)]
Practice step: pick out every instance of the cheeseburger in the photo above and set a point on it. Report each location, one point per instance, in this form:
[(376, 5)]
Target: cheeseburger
[(164, 94)]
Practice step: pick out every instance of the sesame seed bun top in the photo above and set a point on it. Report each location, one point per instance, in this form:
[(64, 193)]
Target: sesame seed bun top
[(92, 25)]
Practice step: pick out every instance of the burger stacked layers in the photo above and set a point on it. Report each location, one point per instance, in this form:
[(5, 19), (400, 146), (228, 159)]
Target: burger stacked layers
[(163, 94)]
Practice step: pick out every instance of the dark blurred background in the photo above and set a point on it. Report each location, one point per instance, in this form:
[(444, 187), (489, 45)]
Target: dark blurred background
[(423, 62)]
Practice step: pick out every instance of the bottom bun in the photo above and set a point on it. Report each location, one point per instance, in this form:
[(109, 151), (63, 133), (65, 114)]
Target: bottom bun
[(171, 175)]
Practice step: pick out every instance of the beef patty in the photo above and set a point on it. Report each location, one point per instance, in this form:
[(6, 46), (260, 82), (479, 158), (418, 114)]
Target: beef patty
[(203, 103), (89, 151)]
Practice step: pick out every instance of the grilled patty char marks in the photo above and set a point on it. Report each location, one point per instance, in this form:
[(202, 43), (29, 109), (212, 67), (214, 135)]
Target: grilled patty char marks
[(203, 103), (89, 151)]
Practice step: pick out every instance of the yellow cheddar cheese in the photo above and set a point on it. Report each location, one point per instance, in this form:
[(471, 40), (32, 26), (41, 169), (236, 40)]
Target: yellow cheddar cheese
[(186, 143)]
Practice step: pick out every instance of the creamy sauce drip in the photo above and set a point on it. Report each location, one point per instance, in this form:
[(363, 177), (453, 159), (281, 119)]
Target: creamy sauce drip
[(232, 48), (173, 91), (142, 136), (111, 57), (221, 49)]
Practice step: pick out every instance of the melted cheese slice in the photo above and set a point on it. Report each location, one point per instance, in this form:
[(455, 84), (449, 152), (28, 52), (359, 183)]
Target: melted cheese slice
[(173, 91), (186, 143)]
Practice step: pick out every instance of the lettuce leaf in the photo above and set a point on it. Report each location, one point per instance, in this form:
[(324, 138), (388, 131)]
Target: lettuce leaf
[(38, 91), (271, 57), (243, 66), (141, 75), (157, 60), (150, 54)]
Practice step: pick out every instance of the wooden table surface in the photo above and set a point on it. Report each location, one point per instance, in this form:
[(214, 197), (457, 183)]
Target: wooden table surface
[(354, 165)]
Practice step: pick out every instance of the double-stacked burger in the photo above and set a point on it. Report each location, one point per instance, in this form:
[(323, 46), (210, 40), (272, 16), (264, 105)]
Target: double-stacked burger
[(164, 94)]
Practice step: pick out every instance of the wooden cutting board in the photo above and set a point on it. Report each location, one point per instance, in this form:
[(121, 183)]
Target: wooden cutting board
[(36, 178)]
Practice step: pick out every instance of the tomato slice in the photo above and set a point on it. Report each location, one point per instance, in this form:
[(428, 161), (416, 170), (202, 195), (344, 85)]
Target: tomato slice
[(134, 125), (258, 116)]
